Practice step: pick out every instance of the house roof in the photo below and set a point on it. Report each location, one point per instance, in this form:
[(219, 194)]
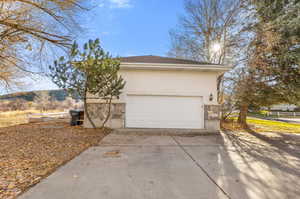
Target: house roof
[(160, 60), (151, 62)]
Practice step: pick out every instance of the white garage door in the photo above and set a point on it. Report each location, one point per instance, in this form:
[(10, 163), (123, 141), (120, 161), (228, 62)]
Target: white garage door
[(164, 112)]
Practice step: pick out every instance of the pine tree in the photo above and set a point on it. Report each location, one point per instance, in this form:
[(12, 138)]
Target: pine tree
[(277, 46), (274, 56), (92, 71)]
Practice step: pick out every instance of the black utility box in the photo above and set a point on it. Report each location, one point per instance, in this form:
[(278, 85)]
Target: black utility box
[(77, 117)]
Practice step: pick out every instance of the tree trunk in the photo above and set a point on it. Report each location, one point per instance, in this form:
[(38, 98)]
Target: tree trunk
[(108, 113), (86, 109), (242, 120), (219, 92)]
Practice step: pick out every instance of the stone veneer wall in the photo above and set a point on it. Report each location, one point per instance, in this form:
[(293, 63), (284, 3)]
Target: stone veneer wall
[(98, 111), (212, 117)]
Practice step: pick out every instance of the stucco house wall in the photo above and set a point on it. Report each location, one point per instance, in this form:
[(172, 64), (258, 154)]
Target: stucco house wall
[(185, 83)]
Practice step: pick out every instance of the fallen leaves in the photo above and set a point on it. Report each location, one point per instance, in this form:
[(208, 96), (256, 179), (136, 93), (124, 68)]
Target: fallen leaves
[(31, 152)]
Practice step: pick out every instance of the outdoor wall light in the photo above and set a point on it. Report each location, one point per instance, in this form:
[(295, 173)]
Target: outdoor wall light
[(211, 97)]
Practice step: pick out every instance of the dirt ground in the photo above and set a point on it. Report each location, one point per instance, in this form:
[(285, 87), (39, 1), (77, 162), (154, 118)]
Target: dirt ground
[(31, 152), (235, 165)]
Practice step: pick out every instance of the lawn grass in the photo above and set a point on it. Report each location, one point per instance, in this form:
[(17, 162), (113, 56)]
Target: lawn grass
[(271, 125), (261, 125)]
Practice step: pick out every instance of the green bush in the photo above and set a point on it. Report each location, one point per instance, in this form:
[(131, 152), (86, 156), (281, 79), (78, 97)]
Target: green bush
[(263, 112)]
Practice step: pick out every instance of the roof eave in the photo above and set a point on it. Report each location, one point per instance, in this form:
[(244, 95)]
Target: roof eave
[(164, 66)]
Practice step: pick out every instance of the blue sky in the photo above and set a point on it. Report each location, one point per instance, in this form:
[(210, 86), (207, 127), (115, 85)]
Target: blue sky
[(133, 27), (125, 28)]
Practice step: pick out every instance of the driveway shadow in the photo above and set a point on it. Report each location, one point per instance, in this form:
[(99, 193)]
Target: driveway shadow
[(219, 163)]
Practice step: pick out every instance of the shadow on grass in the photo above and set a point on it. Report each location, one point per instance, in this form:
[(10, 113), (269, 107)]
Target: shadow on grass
[(279, 152), (284, 142), (272, 160)]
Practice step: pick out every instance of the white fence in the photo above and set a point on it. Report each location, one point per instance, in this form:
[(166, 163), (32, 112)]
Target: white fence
[(284, 114), (44, 117), (55, 115)]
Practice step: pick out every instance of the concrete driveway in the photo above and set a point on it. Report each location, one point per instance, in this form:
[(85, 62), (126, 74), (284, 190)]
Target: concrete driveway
[(163, 167)]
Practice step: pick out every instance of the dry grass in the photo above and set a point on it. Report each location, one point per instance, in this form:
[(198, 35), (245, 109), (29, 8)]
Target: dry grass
[(30, 152), (11, 118)]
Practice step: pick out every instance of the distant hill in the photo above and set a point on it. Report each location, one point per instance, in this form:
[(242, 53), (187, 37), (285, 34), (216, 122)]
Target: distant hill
[(59, 95)]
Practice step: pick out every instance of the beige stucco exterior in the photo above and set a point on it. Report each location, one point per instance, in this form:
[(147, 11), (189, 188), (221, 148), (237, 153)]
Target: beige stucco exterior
[(168, 82), (185, 83)]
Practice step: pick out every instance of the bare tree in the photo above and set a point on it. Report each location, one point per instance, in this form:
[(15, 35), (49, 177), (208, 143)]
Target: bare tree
[(42, 101), (208, 32), (27, 28)]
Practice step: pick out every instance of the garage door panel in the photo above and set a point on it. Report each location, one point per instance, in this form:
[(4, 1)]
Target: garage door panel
[(164, 112)]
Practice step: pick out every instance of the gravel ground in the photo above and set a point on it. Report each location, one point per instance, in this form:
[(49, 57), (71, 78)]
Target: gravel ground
[(31, 152)]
